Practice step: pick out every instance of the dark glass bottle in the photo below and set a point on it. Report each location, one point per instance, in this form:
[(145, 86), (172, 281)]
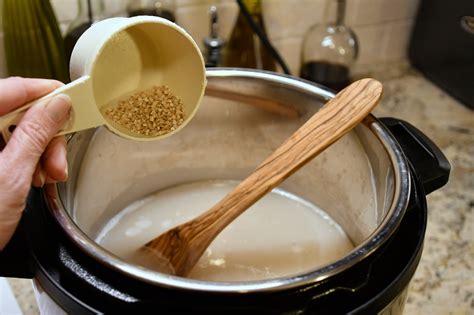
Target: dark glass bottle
[(88, 12), (162, 8), (244, 48), (329, 50)]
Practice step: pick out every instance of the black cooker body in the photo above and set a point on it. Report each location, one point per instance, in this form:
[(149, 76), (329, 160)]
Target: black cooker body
[(82, 285)]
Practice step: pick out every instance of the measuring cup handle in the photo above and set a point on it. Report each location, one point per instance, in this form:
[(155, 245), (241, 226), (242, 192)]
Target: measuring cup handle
[(84, 112)]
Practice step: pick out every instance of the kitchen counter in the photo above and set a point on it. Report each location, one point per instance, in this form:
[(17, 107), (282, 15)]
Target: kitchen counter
[(444, 280)]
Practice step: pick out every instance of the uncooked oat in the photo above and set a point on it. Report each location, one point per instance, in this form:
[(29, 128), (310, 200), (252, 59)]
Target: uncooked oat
[(153, 112)]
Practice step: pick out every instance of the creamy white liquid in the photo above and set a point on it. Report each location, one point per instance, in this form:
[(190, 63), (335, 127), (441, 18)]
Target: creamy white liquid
[(280, 235)]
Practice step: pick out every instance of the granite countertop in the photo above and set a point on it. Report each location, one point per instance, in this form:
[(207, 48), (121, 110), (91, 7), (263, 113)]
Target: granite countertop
[(444, 280)]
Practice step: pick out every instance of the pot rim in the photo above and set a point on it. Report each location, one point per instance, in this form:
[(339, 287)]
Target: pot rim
[(384, 230)]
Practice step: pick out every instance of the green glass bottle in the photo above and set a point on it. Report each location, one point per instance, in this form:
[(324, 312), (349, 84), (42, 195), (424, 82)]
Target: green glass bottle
[(33, 44), (244, 48)]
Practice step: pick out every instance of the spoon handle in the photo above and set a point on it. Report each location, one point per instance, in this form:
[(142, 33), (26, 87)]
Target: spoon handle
[(331, 122), (185, 244)]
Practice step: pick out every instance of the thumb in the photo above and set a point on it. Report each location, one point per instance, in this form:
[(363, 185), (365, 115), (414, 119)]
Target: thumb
[(31, 137)]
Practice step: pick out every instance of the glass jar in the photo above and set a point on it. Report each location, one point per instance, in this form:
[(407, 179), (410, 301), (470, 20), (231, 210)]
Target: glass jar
[(330, 50), (162, 8)]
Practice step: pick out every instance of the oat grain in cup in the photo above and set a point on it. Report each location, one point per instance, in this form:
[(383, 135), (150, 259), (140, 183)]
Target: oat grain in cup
[(153, 112)]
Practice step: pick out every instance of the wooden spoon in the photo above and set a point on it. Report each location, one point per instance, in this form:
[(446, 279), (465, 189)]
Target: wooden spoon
[(183, 245)]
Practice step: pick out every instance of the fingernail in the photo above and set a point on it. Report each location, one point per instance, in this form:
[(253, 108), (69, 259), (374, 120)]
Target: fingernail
[(64, 162), (58, 107), (42, 177)]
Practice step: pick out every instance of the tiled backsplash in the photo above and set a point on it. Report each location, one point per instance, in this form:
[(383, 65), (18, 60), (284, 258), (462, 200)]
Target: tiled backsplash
[(382, 26)]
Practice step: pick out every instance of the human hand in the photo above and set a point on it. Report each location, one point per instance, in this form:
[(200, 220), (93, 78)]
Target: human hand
[(33, 155)]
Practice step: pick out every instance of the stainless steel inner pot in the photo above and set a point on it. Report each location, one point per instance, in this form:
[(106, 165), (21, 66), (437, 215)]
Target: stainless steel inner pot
[(362, 181)]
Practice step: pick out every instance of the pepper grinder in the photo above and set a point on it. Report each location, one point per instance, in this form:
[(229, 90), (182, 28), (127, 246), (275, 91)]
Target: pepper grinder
[(213, 42), (330, 50)]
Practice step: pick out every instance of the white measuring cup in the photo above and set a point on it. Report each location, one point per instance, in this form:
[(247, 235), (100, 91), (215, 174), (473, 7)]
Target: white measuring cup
[(117, 57)]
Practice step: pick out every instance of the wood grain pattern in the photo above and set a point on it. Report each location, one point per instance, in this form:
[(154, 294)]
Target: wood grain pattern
[(184, 244)]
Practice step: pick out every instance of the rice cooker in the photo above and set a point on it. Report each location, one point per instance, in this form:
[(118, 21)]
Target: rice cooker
[(373, 182)]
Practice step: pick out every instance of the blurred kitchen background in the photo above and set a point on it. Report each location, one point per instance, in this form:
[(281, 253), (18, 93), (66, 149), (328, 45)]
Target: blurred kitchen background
[(444, 282), (383, 27)]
